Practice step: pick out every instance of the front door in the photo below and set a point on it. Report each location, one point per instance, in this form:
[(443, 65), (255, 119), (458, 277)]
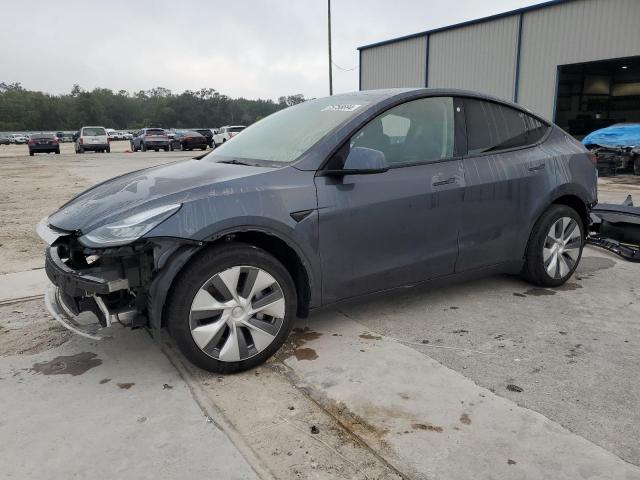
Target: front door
[(400, 227)]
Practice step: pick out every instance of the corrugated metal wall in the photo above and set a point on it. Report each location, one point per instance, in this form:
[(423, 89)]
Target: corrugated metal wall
[(400, 64), (480, 57), (574, 32)]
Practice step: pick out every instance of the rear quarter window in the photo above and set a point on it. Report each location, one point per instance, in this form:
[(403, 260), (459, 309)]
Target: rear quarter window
[(493, 127)]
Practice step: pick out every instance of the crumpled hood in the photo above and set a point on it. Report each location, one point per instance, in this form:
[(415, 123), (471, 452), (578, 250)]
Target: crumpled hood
[(128, 194)]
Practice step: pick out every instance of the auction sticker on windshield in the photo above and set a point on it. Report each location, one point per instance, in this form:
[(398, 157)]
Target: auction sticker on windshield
[(345, 107)]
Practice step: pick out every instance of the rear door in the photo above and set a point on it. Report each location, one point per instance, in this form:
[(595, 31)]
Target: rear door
[(505, 171), (399, 227), (94, 136)]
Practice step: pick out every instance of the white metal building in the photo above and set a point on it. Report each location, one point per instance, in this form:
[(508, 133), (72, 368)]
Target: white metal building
[(576, 62)]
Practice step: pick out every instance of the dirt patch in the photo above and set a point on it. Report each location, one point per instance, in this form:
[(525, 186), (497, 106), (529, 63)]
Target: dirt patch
[(465, 419), (26, 329), (426, 426), (125, 386), (353, 422), (368, 336), (68, 364), (104, 380), (27, 194)]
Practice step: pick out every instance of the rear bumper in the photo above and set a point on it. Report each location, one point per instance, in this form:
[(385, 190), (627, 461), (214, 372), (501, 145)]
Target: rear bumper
[(44, 148), (94, 146)]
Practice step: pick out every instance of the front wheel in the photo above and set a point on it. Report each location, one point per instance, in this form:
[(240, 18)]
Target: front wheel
[(555, 247), (232, 308)]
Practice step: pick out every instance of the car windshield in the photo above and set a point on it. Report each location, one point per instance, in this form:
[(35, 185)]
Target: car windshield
[(93, 131), (285, 135)]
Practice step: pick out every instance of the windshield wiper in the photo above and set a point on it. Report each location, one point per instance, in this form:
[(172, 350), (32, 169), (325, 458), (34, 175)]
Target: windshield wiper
[(236, 162)]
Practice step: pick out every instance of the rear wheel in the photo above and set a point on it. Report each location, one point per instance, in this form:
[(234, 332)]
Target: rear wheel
[(204, 147), (166, 149), (232, 308), (555, 247), (58, 152), (108, 149), (30, 153), (144, 147)]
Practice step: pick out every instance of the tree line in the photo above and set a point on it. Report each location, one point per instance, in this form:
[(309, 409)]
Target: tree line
[(22, 109)]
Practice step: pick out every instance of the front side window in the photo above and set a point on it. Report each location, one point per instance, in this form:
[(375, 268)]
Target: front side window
[(493, 127), (418, 131)]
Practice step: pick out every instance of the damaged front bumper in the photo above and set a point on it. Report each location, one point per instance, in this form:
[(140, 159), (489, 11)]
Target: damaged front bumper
[(90, 290)]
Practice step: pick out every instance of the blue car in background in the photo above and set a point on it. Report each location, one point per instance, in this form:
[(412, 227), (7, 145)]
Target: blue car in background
[(617, 148)]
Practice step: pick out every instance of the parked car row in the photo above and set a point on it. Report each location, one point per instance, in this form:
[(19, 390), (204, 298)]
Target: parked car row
[(97, 139)]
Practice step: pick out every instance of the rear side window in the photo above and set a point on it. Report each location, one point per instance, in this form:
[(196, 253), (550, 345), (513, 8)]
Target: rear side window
[(93, 131), (419, 131), (493, 127)]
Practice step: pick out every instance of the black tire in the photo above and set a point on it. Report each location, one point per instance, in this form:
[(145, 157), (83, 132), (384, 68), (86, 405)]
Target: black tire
[(58, 152), (144, 147), (108, 149), (183, 147), (171, 148), (166, 149), (636, 165), (201, 268), (534, 269), (30, 153), (204, 147)]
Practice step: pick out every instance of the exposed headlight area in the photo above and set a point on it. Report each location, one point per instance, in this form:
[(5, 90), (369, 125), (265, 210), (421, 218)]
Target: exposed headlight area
[(128, 229)]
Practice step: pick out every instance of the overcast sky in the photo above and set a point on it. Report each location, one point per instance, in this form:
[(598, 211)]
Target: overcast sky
[(251, 48)]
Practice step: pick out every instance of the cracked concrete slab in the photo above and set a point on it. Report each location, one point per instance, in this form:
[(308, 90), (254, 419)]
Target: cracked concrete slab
[(432, 422), (110, 409)]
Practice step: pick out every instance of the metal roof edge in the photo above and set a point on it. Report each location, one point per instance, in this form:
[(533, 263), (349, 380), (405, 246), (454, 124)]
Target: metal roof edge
[(467, 23)]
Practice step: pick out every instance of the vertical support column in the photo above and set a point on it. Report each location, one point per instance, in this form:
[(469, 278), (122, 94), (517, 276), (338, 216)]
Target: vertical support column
[(426, 62), (516, 76), (360, 70)]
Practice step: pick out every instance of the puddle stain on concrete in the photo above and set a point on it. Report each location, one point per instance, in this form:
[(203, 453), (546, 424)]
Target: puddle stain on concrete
[(104, 380), (465, 419), (126, 386), (569, 287), (369, 336), (295, 343), (68, 364), (539, 292), (305, 354), (427, 426), (589, 265)]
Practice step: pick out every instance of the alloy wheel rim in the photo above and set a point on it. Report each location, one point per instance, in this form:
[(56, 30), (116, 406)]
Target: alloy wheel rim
[(561, 248), (237, 313)]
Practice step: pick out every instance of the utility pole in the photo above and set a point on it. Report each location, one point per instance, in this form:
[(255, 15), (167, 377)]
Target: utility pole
[(330, 60)]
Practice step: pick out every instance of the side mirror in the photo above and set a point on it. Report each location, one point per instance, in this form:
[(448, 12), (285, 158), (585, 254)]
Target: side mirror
[(361, 161)]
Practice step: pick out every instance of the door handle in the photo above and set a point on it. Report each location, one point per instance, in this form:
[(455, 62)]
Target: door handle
[(448, 181), (537, 167)]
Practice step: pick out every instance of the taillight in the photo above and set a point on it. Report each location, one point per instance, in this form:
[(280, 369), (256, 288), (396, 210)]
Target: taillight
[(108, 139), (81, 141), (594, 158), (187, 138), (231, 134), (55, 141), (31, 141)]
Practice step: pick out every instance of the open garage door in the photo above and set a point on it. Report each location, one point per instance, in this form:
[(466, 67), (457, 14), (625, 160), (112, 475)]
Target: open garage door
[(595, 95)]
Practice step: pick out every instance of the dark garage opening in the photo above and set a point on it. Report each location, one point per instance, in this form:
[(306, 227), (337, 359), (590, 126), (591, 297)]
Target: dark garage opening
[(597, 94)]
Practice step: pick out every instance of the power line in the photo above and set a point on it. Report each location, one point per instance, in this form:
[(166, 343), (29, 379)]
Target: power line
[(345, 69)]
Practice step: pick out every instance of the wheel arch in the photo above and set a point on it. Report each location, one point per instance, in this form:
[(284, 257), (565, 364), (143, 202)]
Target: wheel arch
[(284, 251)]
